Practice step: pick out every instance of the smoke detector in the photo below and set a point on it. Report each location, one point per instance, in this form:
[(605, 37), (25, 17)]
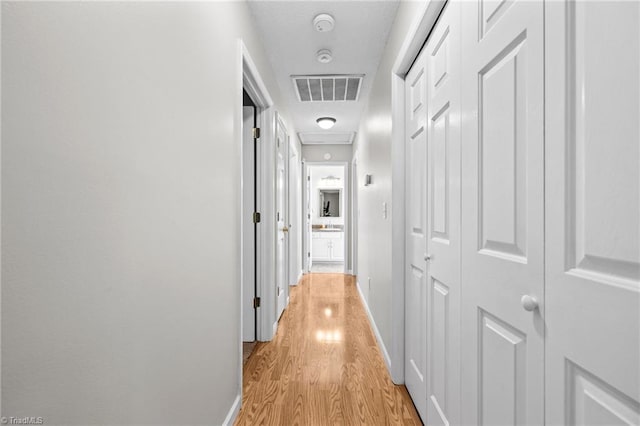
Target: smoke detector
[(324, 23), (324, 56)]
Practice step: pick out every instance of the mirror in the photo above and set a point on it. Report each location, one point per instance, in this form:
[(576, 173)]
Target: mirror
[(330, 203)]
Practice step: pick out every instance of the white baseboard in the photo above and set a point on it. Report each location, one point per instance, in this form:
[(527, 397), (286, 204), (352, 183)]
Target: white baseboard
[(233, 412), (298, 279), (383, 349)]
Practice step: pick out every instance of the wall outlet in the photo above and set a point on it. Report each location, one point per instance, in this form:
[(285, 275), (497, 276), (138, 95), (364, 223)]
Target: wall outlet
[(384, 210)]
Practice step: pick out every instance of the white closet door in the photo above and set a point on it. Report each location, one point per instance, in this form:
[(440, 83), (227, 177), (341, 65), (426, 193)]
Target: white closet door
[(502, 219), (416, 235), (443, 280), (593, 213)]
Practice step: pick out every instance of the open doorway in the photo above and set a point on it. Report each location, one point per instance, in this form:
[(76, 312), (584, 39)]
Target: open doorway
[(328, 217), (250, 236)]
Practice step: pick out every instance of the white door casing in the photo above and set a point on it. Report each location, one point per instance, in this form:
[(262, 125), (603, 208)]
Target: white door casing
[(443, 224), (593, 213), (502, 219), (354, 214), (282, 258), (416, 285), (308, 255)]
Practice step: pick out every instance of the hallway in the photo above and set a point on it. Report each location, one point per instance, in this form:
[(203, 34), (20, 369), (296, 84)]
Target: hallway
[(460, 179), (323, 366)]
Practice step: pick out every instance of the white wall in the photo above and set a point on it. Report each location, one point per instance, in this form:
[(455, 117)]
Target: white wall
[(373, 145), (120, 269)]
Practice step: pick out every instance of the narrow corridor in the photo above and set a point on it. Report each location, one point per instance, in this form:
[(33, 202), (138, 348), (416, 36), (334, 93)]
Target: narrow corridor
[(323, 367)]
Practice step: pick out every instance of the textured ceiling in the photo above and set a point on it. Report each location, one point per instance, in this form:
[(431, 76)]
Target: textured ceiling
[(291, 43)]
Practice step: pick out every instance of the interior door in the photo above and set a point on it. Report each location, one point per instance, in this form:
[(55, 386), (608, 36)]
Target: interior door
[(503, 211), (443, 296), (416, 234), (593, 213), (308, 227), (294, 216), (248, 227), (282, 267)]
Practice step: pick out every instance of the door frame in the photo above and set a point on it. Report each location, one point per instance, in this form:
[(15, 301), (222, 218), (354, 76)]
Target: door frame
[(346, 191), (416, 37), (248, 78), (353, 266)]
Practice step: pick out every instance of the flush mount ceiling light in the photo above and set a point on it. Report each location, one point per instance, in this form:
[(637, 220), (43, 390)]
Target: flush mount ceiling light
[(324, 23), (326, 122), (324, 56)]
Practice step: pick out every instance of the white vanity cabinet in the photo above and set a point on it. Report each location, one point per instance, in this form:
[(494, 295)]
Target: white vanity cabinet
[(327, 246)]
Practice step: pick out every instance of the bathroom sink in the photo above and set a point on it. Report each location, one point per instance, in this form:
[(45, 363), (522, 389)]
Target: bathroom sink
[(327, 228)]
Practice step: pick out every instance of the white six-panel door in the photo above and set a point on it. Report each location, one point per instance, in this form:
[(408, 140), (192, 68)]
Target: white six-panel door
[(416, 282), (443, 223), (503, 202), (593, 213)]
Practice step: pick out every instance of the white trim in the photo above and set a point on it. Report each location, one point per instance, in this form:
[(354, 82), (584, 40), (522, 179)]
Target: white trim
[(416, 35), (248, 78), (254, 85), (374, 327), (252, 82), (354, 214), (233, 411)]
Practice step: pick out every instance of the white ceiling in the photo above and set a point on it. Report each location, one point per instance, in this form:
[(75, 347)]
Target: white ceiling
[(291, 43)]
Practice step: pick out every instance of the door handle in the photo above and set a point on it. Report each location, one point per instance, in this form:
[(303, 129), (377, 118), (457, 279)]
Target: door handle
[(285, 229), (427, 257), (529, 303)]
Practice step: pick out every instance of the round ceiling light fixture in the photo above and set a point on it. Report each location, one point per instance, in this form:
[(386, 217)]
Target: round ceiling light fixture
[(324, 56), (326, 122), (324, 23)]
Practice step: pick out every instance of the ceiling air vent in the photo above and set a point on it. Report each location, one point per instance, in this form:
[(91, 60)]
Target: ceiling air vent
[(327, 88)]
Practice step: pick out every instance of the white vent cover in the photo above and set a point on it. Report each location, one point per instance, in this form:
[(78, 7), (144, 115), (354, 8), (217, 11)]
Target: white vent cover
[(335, 138), (327, 88)]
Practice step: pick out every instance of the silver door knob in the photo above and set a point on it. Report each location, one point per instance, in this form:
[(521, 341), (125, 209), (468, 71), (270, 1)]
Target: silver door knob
[(529, 303), (427, 257)]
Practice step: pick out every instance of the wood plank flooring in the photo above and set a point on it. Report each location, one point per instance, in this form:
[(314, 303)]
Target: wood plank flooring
[(324, 366)]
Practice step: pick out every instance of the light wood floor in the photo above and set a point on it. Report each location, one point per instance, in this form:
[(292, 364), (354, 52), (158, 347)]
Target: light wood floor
[(323, 367)]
